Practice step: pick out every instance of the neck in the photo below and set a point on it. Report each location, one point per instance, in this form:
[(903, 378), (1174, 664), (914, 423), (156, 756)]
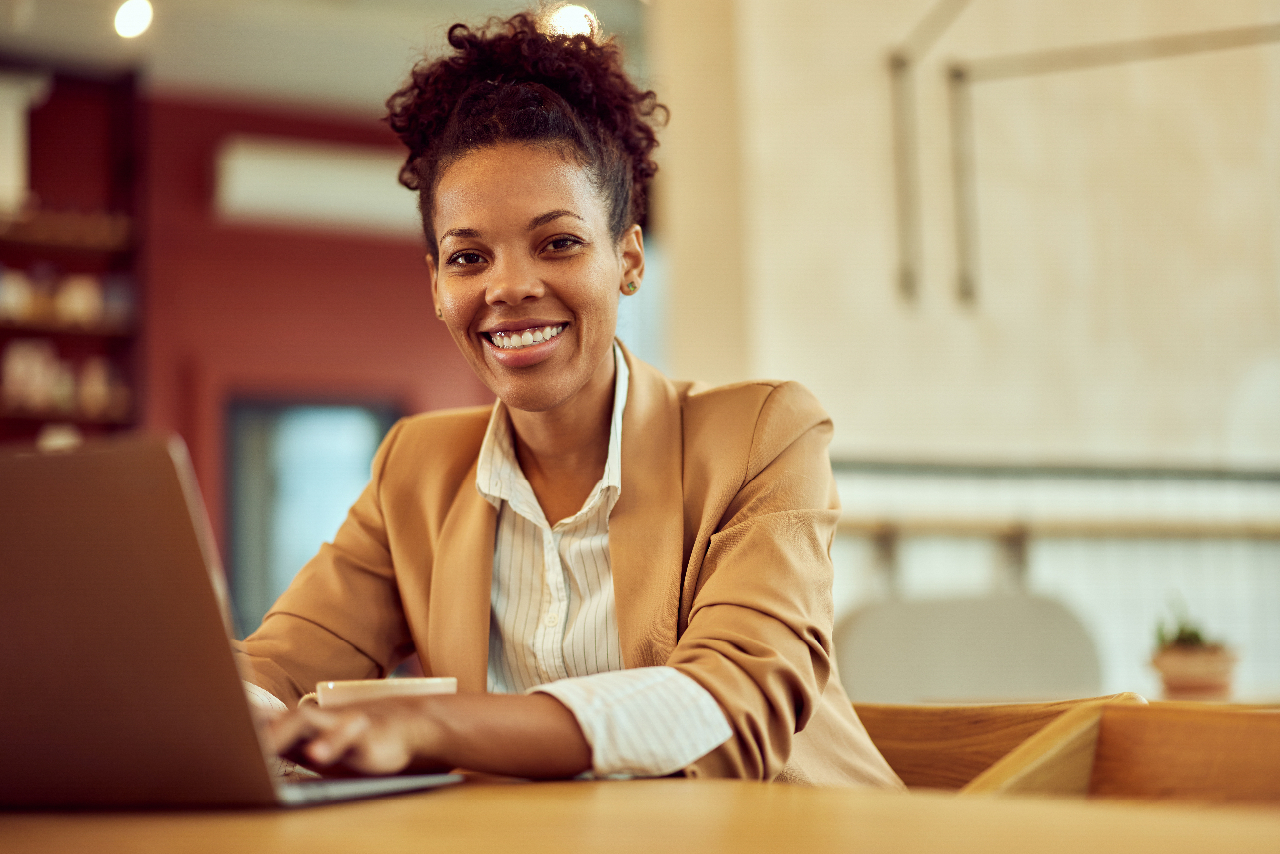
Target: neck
[(563, 451)]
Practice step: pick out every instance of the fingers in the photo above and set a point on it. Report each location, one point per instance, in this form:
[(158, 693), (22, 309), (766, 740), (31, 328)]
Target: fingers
[(376, 752), (338, 735), (345, 740), (290, 730)]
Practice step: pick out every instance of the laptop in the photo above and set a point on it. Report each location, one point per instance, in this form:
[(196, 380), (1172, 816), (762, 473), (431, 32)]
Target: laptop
[(119, 685)]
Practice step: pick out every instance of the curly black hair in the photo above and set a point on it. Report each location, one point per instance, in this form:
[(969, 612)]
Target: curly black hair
[(509, 82)]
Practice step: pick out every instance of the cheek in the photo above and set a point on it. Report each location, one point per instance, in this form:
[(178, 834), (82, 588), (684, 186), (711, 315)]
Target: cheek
[(458, 304), (607, 305), (602, 294)]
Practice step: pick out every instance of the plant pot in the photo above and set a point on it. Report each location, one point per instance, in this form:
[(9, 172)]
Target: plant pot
[(1195, 672)]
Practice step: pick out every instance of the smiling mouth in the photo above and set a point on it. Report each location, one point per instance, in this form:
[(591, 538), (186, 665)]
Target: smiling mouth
[(524, 338)]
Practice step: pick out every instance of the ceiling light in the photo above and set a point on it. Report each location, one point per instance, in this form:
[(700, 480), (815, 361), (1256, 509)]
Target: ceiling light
[(133, 17), (571, 20)]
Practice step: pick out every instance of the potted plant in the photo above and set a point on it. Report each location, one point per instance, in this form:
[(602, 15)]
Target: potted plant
[(1191, 667)]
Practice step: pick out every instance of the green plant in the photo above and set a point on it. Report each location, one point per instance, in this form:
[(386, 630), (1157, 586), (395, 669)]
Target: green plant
[(1184, 632)]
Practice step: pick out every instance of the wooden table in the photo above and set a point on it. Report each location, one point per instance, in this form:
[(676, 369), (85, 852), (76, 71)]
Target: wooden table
[(659, 816)]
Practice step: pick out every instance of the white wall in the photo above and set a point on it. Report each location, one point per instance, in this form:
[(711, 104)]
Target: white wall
[(1129, 297)]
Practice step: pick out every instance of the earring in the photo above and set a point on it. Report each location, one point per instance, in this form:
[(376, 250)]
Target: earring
[(439, 314), (631, 287)]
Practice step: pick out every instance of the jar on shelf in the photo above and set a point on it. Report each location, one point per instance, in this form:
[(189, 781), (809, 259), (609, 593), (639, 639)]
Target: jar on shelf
[(78, 301), (16, 296)]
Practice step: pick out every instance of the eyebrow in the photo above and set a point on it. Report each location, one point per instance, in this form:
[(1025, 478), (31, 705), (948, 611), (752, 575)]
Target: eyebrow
[(537, 222), (543, 219), (460, 232)]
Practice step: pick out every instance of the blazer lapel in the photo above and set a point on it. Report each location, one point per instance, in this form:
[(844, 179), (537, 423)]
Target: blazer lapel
[(646, 527), (458, 621)]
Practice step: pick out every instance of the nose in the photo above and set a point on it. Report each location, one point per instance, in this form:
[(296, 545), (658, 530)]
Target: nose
[(512, 280)]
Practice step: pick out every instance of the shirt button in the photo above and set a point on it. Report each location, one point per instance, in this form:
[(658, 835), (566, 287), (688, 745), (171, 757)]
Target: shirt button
[(553, 619)]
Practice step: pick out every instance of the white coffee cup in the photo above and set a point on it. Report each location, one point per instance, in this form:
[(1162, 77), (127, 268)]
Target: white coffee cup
[(339, 693)]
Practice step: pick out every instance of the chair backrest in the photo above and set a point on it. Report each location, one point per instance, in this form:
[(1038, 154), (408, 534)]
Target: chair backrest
[(945, 747), (972, 649), (1162, 751)]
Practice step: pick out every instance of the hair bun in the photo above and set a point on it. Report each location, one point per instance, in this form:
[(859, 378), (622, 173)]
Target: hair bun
[(510, 81)]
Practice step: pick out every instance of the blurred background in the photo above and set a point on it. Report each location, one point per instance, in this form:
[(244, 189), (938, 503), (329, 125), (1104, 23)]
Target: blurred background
[(1027, 254)]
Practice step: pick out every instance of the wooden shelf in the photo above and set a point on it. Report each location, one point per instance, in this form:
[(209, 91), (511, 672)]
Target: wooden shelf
[(50, 416), (74, 231), (1064, 527), (10, 329), (82, 222)]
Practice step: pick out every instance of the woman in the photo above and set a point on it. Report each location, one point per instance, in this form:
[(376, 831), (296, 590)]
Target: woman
[(624, 574)]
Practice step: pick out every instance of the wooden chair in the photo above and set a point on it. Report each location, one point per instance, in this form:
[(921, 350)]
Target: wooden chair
[(945, 747), (1161, 751)]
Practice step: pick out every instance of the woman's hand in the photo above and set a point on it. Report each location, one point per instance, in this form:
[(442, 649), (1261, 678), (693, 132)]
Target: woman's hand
[(372, 738), (531, 735)]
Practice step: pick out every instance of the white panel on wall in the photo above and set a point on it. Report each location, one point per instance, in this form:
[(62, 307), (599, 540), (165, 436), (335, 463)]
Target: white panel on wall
[(18, 94), (308, 184), (905, 494)]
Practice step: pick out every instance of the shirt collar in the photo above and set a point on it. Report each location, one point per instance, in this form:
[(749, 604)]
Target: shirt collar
[(498, 474)]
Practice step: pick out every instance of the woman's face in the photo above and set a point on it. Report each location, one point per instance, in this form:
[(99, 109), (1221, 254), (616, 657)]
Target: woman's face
[(528, 277)]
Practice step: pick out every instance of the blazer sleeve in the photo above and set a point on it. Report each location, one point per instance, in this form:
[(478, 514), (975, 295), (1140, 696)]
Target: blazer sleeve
[(758, 636), (342, 617)]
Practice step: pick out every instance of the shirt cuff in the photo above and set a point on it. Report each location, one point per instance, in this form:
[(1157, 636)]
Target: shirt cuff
[(647, 721), (263, 699)]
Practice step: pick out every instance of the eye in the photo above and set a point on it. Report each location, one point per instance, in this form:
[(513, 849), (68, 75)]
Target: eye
[(563, 243), (465, 258)]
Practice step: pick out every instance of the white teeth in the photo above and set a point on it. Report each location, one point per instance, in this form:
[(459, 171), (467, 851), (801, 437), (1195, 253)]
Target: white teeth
[(516, 340)]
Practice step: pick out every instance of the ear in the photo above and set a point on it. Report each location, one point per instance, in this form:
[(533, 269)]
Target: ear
[(433, 276), (631, 252)]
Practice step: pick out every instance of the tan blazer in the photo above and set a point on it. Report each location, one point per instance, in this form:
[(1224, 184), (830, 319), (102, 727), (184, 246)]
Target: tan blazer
[(719, 546)]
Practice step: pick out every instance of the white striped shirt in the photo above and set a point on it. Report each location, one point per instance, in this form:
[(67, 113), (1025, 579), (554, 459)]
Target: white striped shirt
[(553, 626)]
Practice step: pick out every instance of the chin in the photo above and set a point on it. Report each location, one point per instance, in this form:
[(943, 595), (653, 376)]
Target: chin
[(536, 394), (530, 400)]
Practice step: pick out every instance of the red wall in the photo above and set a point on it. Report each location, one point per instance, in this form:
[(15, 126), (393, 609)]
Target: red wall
[(273, 313), (77, 145)]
